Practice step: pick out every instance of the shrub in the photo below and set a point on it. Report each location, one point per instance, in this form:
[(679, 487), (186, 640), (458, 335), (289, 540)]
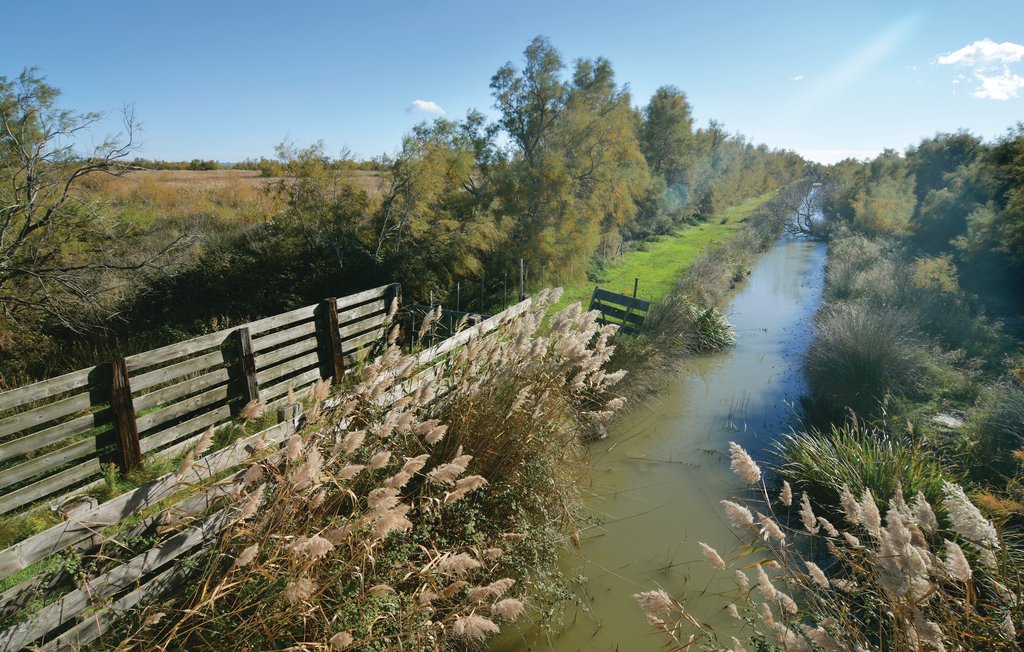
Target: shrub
[(861, 355), (998, 424), (822, 463)]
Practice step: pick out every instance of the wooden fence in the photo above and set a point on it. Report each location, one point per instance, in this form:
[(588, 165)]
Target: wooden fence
[(59, 432), (621, 309), (79, 606)]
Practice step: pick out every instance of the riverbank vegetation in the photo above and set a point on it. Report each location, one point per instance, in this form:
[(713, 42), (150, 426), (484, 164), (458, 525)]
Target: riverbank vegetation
[(570, 176), (907, 532)]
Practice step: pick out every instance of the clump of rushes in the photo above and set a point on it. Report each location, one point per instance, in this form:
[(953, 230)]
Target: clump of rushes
[(860, 356), (859, 457), (405, 525), (892, 576)]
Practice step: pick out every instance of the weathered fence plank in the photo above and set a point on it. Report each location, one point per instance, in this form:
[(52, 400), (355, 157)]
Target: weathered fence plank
[(45, 388), (60, 481), (20, 472), (51, 435)]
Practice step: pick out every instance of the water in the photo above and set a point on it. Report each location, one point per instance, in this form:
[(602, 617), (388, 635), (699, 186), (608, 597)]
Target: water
[(658, 477)]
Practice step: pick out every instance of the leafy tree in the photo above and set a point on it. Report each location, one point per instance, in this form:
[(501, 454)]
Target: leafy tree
[(61, 256), (666, 134), (435, 224), (326, 203), (885, 206), (576, 170)]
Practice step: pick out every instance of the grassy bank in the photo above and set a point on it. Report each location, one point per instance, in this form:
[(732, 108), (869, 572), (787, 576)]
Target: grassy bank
[(659, 263)]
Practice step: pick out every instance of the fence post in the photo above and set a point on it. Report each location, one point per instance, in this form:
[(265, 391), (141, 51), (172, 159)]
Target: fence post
[(129, 450), (332, 363), (636, 284), (522, 280), (247, 362)]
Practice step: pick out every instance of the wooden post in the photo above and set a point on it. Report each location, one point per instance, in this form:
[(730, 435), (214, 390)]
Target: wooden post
[(458, 296), (636, 284), (247, 364), (522, 280), (129, 451), (289, 413), (331, 361)]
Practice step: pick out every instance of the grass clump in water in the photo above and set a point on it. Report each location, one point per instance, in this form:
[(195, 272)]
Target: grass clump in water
[(861, 356)]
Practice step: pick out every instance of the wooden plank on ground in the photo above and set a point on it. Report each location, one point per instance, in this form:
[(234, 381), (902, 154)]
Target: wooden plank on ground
[(110, 583), (97, 624)]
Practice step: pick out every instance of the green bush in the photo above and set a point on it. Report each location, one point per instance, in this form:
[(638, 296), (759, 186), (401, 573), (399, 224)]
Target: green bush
[(821, 463), (999, 426)]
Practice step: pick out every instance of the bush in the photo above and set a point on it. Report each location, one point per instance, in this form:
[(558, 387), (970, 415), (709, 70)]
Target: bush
[(860, 356), (897, 576), (999, 426), (822, 463)]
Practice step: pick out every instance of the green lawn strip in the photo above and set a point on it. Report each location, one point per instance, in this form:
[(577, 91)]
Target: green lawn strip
[(665, 260)]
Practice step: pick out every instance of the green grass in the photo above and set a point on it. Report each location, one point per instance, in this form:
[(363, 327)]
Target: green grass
[(663, 262)]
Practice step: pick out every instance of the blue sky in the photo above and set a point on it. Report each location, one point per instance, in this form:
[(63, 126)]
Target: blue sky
[(229, 80)]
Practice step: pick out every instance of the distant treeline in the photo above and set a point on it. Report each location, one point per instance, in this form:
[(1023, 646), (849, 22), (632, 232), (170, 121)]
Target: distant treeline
[(268, 167)]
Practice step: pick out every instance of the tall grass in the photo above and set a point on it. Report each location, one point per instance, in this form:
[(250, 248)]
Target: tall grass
[(861, 458), (861, 355), (407, 526), (901, 575), (998, 426)]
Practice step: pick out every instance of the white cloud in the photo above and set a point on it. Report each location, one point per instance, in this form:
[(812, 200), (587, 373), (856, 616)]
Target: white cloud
[(798, 78), (984, 52), (990, 64), (999, 87), (424, 106)]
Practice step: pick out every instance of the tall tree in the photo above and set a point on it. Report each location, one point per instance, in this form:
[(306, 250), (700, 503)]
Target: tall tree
[(667, 134)]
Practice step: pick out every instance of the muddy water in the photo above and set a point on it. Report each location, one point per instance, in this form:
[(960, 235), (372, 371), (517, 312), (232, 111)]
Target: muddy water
[(657, 479)]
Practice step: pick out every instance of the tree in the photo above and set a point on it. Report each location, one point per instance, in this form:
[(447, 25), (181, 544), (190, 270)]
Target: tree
[(667, 134), (60, 256), (325, 202)]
